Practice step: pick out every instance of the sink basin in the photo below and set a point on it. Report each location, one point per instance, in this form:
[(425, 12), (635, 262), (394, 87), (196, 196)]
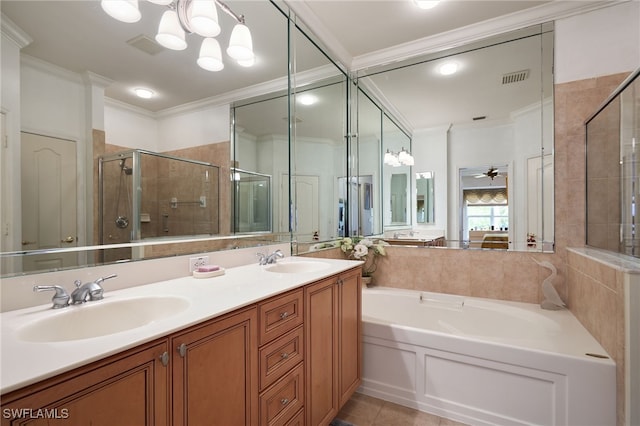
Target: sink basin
[(297, 267), (102, 318)]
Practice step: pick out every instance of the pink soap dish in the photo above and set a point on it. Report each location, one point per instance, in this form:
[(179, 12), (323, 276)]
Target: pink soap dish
[(208, 274)]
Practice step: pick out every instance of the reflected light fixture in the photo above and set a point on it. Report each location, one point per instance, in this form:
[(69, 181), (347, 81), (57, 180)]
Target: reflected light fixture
[(192, 16), (402, 158), (307, 99)]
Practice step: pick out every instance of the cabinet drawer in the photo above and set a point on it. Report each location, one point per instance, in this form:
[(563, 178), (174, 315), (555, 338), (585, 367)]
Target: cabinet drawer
[(279, 356), (280, 315), (297, 420), (284, 399)]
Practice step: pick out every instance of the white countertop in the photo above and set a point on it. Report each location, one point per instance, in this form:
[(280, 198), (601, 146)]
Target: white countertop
[(23, 363)]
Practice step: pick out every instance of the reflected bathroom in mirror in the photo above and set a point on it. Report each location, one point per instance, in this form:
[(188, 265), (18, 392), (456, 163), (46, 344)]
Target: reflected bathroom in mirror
[(78, 88), (425, 197), (486, 103)]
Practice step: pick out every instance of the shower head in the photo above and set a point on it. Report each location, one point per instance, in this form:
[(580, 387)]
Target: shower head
[(124, 168)]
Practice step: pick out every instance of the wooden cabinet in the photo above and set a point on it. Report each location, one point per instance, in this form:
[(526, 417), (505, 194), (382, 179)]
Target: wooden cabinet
[(131, 387), (281, 359), (291, 360), (333, 345), (215, 372)]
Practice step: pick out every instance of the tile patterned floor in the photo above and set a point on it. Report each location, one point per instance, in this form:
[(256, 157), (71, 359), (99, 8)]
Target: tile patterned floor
[(363, 410)]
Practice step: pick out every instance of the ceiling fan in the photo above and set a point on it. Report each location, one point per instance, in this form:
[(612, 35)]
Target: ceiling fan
[(492, 173)]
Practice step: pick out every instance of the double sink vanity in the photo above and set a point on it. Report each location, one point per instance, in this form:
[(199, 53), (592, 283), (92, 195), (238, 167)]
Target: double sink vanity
[(276, 344)]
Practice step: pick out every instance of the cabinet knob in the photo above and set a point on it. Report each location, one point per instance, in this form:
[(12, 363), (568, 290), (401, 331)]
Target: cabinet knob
[(284, 401), (284, 355), (284, 315), (164, 358), (182, 350)]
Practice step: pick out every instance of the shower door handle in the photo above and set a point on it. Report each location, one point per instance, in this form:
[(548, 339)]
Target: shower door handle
[(68, 240)]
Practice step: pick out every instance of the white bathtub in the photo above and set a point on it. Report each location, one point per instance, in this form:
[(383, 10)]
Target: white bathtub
[(484, 362)]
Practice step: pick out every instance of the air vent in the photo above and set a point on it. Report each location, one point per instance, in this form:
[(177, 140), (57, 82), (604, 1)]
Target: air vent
[(146, 44), (515, 77)]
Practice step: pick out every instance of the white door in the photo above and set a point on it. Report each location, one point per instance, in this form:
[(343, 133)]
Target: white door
[(540, 199), (306, 202), (49, 199)]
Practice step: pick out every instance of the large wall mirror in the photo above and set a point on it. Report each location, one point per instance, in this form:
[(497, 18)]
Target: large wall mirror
[(472, 109), (75, 89)]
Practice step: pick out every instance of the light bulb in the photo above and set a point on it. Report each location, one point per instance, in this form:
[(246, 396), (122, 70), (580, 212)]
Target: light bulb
[(122, 10), (210, 57), (240, 44), (203, 18), (170, 33), (427, 4)]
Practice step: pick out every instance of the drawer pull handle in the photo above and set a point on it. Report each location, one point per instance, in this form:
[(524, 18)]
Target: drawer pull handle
[(284, 401), (284, 315), (284, 355), (182, 350), (164, 358)]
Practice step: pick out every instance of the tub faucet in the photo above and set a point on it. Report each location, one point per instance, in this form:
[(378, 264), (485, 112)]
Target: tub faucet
[(89, 291), (60, 299), (269, 259)]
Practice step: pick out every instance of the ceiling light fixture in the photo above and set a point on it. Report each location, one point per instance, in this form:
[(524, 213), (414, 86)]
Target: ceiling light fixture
[(426, 4), (307, 99), (448, 68), (403, 158), (192, 16), (143, 93)]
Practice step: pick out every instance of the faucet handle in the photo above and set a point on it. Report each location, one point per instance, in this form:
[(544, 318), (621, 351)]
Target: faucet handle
[(60, 299), (261, 258), (108, 277)]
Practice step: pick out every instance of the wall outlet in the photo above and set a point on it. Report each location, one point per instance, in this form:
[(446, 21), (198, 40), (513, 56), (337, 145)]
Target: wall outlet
[(196, 262)]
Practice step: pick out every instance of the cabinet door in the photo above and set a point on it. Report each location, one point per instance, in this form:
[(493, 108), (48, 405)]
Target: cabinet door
[(350, 291), (129, 389), (321, 351), (215, 372)]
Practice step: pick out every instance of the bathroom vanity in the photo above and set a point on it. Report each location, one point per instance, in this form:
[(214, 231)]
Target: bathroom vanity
[(254, 347)]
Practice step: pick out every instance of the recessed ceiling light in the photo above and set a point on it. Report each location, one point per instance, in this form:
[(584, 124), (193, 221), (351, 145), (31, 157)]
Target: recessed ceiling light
[(143, 93), (426, 4), (448, 68), (307, 99)]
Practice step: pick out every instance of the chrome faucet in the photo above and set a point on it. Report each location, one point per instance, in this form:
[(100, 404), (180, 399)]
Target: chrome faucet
[(89, 291), (60, 299), (269, 259)]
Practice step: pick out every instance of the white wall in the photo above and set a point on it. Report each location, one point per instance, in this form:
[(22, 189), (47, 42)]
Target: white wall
[(132, 127), (598, 43), (429, 148)]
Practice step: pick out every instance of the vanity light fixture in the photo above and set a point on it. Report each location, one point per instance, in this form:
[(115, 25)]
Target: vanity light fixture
[(403, 158), (192, 16)]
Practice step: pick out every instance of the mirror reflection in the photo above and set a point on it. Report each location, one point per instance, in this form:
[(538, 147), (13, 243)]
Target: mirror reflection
[(489, 103), (425, 197)]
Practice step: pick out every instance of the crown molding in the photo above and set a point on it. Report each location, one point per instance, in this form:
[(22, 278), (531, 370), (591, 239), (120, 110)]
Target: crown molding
[(302, 11), (49, 68), (537, 15), (14, 32)]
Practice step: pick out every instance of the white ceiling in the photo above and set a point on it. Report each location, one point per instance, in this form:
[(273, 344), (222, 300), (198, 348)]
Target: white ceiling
[(79, 36)]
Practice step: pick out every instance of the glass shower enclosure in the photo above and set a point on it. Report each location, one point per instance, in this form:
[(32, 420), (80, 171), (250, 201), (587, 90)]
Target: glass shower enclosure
[(146, 195)]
